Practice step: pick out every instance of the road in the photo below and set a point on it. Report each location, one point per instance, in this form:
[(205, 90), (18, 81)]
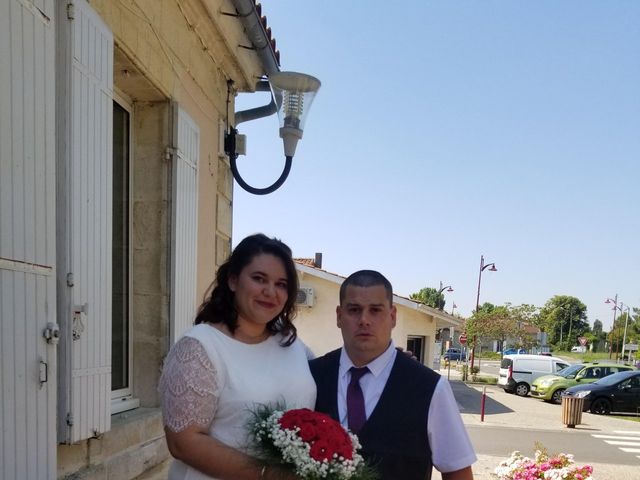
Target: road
[(585, 447), (610, 445)]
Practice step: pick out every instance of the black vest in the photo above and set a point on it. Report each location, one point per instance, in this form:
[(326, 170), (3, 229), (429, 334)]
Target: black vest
[(394, 438)]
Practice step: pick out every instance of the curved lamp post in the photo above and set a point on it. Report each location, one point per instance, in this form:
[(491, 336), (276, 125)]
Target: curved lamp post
[(483, 267), (443, 289)]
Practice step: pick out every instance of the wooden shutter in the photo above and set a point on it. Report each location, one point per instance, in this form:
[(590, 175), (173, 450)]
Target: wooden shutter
[(184, 230), (27, 240), (85, 171)]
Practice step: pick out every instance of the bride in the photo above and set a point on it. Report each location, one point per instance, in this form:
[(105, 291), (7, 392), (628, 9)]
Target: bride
[(243, 351)]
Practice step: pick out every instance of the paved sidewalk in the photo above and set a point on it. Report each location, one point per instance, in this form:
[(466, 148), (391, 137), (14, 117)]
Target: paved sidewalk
[(505, 410)]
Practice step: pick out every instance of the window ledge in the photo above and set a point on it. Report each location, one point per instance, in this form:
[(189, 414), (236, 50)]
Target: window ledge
[(120, 405)]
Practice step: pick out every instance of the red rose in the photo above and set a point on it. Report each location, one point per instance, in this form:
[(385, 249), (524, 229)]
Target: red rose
[(322, 450), (293, 418), (308, 432)]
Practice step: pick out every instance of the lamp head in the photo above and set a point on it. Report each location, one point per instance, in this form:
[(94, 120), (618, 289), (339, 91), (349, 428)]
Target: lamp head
[(449, 289), (293, 93), (493, 268)]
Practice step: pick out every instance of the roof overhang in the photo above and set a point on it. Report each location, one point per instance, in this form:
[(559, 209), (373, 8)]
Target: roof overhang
[(442, 319)]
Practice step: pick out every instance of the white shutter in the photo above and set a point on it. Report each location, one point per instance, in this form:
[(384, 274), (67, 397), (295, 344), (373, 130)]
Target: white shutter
[(27, 240), (184, 230), (85, 170)]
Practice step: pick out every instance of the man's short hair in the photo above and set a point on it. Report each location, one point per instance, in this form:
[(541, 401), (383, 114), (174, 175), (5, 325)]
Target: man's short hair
[(366, 278)]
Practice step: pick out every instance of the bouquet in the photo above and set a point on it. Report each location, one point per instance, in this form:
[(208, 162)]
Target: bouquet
[(558, 467), (311, 443)]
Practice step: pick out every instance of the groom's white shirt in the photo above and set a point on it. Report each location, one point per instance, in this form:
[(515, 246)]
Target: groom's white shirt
[(451, 447)]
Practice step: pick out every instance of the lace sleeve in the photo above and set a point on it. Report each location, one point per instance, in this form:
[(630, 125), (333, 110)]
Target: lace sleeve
[(188, 386)]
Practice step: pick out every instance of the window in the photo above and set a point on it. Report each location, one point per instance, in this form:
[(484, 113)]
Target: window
[(121, 392), (560, 366), (415, 344)]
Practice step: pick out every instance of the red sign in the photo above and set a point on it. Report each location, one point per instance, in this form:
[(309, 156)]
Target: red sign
[(582, 340), (462, 339)]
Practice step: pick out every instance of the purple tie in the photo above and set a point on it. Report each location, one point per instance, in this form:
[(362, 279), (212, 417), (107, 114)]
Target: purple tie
[(356, 415)]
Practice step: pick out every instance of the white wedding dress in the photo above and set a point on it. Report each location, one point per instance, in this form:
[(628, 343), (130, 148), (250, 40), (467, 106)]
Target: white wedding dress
[(212, 380)]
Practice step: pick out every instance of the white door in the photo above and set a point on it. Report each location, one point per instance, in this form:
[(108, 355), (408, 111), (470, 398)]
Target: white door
[(84, 210), (184, 221), (27, 240)]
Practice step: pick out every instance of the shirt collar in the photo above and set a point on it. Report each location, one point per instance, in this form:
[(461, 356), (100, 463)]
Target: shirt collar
[(376, 366)]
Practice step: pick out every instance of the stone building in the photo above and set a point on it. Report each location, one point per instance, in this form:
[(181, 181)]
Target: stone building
[(115, 210)]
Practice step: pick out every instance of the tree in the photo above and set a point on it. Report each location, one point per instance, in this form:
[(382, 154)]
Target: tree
[(564, 318), (502, 323), (487, 307), (632, 323), (597, 337), (429, 296), (597, 327)]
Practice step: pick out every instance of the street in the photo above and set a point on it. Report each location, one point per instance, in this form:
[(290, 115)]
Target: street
[(585, 446), (610, 445)]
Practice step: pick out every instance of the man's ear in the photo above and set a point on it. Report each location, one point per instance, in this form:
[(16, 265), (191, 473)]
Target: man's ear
[(232, 283), (393, 315), (338, 313)]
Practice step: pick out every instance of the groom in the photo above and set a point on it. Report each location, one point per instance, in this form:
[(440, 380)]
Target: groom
[(403, 412)]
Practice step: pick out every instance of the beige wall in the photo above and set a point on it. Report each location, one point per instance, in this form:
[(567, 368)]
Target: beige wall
[(184, 52), (317, 325), (165, 51)]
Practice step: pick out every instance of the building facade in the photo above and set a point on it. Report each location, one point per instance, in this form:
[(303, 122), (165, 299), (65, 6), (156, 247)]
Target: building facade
[(115, 211), (416, 323)]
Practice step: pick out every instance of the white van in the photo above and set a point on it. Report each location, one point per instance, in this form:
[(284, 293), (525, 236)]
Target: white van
[(518, 371)]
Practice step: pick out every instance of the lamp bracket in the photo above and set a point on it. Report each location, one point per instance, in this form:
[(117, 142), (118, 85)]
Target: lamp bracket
[(230, 144)]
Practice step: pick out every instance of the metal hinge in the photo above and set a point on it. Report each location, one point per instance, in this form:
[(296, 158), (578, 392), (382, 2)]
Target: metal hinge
[(69, 279), (170, 152), (71, 11), (70, 419)]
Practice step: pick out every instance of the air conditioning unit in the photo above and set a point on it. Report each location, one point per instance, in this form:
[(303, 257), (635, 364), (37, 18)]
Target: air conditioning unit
[(305, 297)]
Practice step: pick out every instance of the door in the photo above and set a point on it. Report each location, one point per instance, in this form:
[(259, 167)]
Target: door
[(27, 241)]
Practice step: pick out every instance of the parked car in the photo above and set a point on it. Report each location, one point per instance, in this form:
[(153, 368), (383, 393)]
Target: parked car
[(619, 392), (551, 387), (578, 349), (517, 372), (514, 351), (454, 354)]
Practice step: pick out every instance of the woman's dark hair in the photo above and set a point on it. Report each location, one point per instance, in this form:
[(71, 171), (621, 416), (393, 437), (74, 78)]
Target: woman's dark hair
[(220, 306)]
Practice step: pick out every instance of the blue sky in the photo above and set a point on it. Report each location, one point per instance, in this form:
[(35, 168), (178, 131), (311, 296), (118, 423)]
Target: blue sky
[(446, 130)]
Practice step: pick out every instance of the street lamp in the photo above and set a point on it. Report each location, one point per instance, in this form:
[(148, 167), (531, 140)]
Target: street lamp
[(483, 267), (624, 338), (442, 289), (453, 307), (291, 97), (615, 309)]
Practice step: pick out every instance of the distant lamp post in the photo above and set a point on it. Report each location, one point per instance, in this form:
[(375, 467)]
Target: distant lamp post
[(483, 267), (453, 307), (443, 289), (616, 306), (626, 322)]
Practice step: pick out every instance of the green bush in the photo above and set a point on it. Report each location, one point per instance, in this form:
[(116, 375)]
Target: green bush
[(489, 356), (487, 380)]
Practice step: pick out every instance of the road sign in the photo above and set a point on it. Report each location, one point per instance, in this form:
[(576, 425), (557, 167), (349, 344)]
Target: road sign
[(582, 340), (462, 339)]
